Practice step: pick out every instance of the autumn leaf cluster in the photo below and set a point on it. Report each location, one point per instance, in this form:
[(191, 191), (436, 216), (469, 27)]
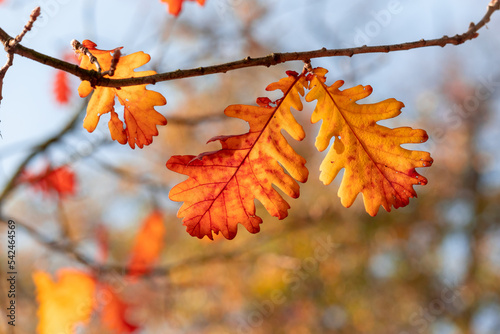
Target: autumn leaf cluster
[(221, 187)]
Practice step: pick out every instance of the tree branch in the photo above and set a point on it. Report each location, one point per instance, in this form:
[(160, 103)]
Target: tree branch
[(97, 79), (11, 43)]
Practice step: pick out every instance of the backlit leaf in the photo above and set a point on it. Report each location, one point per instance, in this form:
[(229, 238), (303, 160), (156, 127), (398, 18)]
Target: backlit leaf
[(375, 163), (140, 116), (64, 303), (220, 191)]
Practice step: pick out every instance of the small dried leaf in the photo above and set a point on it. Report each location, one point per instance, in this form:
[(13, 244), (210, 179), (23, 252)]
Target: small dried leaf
[(113, 311), (140, 117)]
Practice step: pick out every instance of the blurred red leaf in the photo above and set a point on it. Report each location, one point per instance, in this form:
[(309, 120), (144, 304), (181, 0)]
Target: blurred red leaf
[(61, 180), (113, 311), (62, 90), (148, 245)]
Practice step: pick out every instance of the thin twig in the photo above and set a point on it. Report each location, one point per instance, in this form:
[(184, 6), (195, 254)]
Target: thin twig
[(270, 60), (58, 246), (79, 48), (11, 43), (35, 13), (114, 62)]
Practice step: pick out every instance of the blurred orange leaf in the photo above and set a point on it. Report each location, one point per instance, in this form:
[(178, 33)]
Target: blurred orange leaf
[(148, 244), (175, 6), (140, 116), (375, 163), (220, 191), (63, 303)]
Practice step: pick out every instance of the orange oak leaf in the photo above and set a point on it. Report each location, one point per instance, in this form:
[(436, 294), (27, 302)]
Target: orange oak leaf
[(61, 180), (148, 245), (220, 191), (375, 163), (175, 6), (113, 310), (64, 303), (140, 116)]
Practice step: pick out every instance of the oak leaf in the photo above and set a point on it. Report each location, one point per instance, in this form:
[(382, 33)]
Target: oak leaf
[(175, 6), (220, 191), (140, 116), (148, 245), (63, 303), (375, 163)]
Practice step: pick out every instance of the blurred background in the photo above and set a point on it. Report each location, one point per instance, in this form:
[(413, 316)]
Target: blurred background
[(431, 267)]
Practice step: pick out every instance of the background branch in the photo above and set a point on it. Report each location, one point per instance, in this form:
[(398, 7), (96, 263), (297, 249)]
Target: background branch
[(39, 149)]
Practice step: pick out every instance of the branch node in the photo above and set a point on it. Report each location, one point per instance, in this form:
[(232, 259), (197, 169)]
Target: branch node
[(114, 62), (307, 67), (275, 58), (82, 49)]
